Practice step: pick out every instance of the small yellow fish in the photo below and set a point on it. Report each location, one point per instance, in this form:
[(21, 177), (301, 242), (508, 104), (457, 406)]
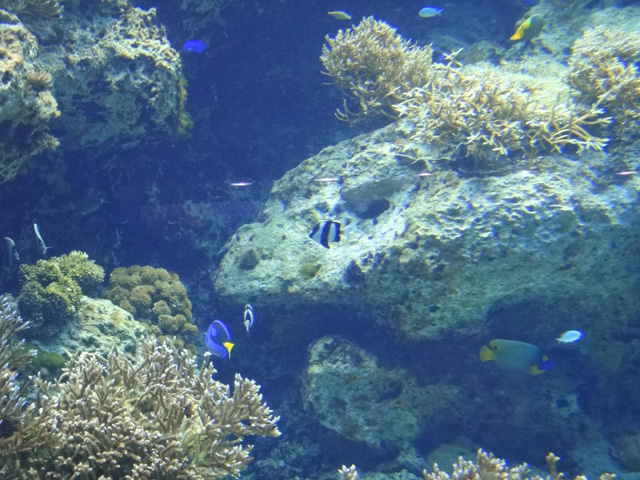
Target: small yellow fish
[(528, 29), (340, 15)]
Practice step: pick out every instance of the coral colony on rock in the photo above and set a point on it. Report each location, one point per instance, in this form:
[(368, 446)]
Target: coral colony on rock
[(432, 258)]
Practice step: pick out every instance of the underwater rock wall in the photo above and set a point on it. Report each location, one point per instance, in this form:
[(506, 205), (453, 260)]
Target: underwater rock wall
[(117, 78), (26, 103)]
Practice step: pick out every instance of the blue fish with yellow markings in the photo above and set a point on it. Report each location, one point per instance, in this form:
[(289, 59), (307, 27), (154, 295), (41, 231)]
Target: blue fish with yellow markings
[(516, 356), (218, 339), (528, 29), (195, 46)]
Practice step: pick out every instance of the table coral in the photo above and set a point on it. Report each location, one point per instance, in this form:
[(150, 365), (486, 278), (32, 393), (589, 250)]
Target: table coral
[(26, 103), (155, 296)]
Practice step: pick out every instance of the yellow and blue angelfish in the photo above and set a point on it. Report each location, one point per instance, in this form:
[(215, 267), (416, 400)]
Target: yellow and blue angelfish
[(528, 29), (516, 356)]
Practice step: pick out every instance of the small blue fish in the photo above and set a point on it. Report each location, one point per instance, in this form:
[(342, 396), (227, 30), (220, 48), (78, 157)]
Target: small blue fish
[(218, 339), (428, 12), (570, 336), (195, 46)]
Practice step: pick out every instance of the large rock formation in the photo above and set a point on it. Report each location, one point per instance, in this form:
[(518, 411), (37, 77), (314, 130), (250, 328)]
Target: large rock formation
[(432, 254)]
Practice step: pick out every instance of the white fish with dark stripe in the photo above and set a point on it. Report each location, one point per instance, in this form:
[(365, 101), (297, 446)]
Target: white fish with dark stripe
[(326, 232), (248, 317)]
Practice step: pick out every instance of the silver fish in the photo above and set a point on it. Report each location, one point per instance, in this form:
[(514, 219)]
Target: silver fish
[(10, 252), (43, 246), (248, 317)]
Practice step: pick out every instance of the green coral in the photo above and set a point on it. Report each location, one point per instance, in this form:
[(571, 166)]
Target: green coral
[(52, 290), (83, 271), (154, 296)]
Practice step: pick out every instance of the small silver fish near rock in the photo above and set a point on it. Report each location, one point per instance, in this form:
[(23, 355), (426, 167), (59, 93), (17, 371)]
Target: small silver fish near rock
[(248, 317), (11, 255), (428, 12), (570, 336)]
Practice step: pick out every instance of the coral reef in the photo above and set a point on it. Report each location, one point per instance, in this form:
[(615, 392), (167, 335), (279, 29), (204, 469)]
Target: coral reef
[(373, 65), (52, 290), (19, 432), (40, 8), (603, 70), (117, 81), (81, 270), (487, 113), (158, 416), (100, 327), (486, 467), (26, 103), (155, 296)]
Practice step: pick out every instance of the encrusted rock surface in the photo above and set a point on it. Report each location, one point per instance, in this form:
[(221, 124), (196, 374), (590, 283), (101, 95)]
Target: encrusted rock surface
[(350, 393), (26, 104), (117, 78), (101, 326), (431, 255)]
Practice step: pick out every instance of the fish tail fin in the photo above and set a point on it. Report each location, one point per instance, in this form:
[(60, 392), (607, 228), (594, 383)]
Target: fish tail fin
[(486, 354)]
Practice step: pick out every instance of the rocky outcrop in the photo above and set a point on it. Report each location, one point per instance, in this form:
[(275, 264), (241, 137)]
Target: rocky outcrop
[(431, 254)]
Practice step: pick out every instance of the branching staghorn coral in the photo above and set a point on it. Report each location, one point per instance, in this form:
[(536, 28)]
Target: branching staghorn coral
[(373, 65), (20, 427), (603, 68), (486, 467), (158, 417), (483, 114)]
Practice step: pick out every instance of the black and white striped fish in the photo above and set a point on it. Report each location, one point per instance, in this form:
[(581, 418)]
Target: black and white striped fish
[(325, 233), (248, 318)]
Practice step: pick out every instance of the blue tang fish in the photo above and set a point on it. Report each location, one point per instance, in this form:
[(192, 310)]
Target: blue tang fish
[(194, 46), (218, 339), (516, 356)]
